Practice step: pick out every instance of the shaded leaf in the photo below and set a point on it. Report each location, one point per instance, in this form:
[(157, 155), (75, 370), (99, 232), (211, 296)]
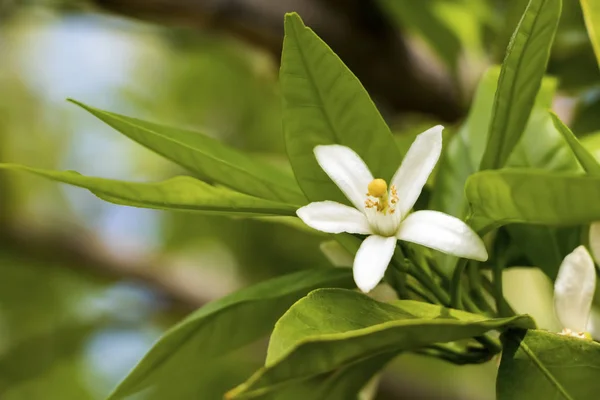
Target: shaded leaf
[(222, 326), (207, 157), (331, 328), (181, 193), (520, 79), (324, 103), (544, 365)]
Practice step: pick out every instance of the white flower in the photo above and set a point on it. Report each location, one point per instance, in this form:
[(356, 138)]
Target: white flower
[(574, 291), (384, 214)]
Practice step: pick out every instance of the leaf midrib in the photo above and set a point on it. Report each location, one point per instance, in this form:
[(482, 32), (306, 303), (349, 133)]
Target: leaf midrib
[(315, 87), (245, 172), (512, 88), (553, 381)]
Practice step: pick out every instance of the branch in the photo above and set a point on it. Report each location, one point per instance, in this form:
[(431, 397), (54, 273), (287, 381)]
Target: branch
[(357, 30), (82, 252)]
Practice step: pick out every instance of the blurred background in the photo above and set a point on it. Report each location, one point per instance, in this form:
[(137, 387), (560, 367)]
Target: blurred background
[(86, 287)]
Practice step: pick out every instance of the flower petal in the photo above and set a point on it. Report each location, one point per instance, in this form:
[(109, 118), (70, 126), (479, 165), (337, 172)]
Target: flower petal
[(574, 289), (442, 232), (332, 217), (594, 239), (347, 170), (416, 167), (371, 261), (593, 326)]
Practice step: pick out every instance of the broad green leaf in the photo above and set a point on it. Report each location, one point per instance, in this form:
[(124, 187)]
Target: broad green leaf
[(210, 159), (341, 384), (544, 146), (324, 103), (463, 152), (587, 161), (520, 79), (544, 365), (540, 146), (331, 328), (222, 326), (181, 193), (533, 197), (591, 15)]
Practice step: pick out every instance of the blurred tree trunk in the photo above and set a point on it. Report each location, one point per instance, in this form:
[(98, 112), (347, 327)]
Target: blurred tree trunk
[(357, 30)]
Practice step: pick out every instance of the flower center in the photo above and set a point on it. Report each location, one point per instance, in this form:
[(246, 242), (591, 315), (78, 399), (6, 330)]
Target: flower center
[(379, 198), (579, 335)]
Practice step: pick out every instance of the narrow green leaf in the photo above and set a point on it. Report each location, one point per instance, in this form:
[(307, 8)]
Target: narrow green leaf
[(324, 103), (222, 326), (587, 161), (207, 157), (520, 79), (544, 365), (591, 15), (181, 193), (331, 328), (533, 197)]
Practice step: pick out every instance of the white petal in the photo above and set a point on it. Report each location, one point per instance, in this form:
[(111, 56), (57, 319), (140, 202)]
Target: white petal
[(593, 326), (574, 289), (332, 217), (347, 170), (595, 240), (416, 167), (371, 261), (442, 232)]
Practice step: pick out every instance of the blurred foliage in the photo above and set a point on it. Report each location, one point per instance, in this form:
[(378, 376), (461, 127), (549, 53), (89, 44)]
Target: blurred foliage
[(69, 333)]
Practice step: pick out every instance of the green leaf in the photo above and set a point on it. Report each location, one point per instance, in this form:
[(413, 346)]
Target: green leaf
[(222, 326), (324, 103), (591, 15), (331, 328), (463, 152), (181, 193), (543, 365), (587, 161), (532, 196), (520, 79), (541, 145), (207, 157), (341, 384)]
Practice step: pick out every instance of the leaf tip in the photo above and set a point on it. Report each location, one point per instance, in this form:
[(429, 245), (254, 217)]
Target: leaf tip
[(292, 18)]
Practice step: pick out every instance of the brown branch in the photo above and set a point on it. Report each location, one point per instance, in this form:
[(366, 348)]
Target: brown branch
[(357, 30), (82, 252)]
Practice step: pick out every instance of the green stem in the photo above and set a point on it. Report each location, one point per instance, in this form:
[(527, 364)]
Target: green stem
[(455, 286), (489, 287), (476, 289)]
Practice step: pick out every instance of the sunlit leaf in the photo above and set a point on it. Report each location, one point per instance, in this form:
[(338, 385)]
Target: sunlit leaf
[(331, 328), (520, 79), (544, 365), (532, 196), (207, 157), (587, 161), (180, 193), (324, 103), (591, 15), (222, 326)]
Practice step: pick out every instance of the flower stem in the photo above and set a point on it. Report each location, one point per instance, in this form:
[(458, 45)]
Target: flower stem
[(455, 286)]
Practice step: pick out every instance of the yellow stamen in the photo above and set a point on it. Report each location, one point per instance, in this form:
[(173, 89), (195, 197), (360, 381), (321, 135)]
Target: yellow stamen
[(377, 188)]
